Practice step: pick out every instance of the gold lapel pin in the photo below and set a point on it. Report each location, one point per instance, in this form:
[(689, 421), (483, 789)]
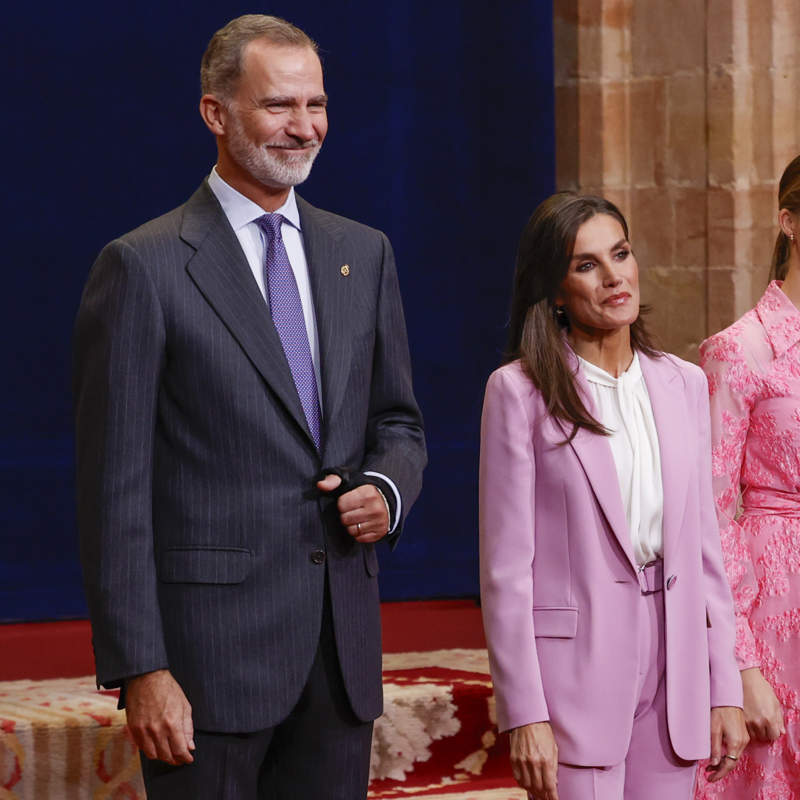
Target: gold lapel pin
[(345, 270)]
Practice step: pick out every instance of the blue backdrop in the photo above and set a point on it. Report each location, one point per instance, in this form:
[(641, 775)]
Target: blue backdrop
[(441, 134)]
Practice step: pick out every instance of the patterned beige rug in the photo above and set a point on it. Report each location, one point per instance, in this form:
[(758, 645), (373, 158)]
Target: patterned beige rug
[(64, 740)]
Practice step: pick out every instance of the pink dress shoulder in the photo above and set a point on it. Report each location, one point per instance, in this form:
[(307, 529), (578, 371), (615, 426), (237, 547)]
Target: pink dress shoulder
[(753, 371)]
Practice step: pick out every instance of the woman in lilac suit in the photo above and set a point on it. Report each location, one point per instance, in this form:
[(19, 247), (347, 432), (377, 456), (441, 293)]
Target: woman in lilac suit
[(605, 603)]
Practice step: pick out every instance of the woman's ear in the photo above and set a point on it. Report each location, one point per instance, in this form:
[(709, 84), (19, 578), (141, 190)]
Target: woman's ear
[(790, 224)]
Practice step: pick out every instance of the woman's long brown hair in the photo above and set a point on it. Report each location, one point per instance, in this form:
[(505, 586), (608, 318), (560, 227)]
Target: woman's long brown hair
[(788, 198), (536, 331)]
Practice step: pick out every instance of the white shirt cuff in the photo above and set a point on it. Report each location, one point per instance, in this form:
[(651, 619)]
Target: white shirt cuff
[(396, 497)]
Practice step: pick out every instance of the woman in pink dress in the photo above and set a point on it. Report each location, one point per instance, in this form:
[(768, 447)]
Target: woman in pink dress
[(753, 371)]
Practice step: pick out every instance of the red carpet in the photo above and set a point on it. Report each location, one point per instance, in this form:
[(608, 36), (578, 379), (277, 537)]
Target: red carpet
[(431, 625), (63, 649), (436, 740), (46, 650), (438, 734)]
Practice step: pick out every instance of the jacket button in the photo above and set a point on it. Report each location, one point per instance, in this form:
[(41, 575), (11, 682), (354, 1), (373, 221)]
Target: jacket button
[(671, 581), (317, 556)]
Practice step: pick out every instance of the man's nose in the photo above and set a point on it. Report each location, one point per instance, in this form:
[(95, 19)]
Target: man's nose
[(301, 126)]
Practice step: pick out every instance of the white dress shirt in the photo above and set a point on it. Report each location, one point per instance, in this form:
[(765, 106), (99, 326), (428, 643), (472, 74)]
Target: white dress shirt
[(242, 214), (623, 407)]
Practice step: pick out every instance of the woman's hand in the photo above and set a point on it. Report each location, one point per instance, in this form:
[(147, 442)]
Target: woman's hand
[(534, 760), (728, 739), (762, 711)]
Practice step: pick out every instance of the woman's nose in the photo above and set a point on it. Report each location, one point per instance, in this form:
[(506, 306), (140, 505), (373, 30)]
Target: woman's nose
[(610, 276)]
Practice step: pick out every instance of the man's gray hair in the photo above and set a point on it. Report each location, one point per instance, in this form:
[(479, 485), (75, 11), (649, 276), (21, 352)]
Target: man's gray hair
[(221, 65)]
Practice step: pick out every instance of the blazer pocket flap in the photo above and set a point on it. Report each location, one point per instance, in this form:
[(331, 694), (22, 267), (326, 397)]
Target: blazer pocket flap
[(204, 564), (561, 623)]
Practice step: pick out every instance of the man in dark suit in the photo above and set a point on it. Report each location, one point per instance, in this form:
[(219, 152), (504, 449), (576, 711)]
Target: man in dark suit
[(235, 359)]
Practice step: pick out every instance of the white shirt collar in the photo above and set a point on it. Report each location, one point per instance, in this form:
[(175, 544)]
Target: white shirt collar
[(594, 374), (241, 211)]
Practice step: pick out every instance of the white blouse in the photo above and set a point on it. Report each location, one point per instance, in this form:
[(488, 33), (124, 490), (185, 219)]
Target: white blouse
[(623, 406)]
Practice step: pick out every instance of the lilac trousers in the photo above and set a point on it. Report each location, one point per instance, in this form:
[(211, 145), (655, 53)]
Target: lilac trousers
[(651, 770)]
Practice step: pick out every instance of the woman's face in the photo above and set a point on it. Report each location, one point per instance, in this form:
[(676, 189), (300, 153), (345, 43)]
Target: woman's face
[(601, 290)]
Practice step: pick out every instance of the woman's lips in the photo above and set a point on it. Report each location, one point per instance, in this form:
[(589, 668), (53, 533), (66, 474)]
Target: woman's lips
[(616, 299)]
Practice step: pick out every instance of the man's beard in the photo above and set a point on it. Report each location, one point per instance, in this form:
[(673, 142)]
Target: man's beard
[(265, 163)]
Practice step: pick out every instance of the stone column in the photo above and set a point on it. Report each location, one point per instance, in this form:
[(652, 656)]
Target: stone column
[(684, 113)]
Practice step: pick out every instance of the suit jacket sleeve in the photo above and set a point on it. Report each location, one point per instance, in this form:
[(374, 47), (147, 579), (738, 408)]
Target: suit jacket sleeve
[(507, 527), (726, 684), (118, 355), (395, 442)]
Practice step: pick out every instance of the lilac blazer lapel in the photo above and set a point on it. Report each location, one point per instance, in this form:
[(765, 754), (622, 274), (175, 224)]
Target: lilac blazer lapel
[(594, 454), (673, 420)]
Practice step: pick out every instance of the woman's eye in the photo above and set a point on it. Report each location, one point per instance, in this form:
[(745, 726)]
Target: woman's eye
[(623, 254), (587, 265)]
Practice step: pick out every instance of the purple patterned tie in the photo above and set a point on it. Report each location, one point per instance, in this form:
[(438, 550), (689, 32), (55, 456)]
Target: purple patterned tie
[(287, 314)]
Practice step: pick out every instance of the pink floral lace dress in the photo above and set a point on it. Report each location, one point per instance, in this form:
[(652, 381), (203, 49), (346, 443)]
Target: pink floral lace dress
[(753, 371)]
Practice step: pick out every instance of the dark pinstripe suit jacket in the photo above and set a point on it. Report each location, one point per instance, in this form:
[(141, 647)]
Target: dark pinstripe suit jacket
[(197, 512)]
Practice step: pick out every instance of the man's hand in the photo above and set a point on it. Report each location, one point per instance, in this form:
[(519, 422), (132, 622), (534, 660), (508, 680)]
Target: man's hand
[(362, 511), (160, 717), (728, 739), (762, 711), (534, 760)]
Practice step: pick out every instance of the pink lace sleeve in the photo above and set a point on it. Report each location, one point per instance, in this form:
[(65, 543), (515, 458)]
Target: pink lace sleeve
[(731, 385)]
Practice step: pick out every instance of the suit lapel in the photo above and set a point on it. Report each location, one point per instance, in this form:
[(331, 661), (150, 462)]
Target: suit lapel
[(222, 274), (670, 414), (332, 302), (594, 453)]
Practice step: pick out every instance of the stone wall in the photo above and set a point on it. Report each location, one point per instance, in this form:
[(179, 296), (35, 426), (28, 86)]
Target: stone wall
[(685, 114)]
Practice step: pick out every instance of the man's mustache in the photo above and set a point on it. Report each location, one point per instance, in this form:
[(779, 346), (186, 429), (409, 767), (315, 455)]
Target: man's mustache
[(311, 143)]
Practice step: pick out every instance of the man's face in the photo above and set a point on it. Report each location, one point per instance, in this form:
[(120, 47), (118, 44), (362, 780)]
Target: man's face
[(276, 120)]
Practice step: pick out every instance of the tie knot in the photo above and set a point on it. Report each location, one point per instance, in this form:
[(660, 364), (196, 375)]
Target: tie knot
[(271, 224)]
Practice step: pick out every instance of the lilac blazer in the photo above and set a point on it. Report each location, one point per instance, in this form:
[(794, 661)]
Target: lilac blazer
[(559, 584)]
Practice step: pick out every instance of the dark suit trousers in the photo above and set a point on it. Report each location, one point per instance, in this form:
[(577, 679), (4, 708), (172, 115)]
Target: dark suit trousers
[(320, 752)]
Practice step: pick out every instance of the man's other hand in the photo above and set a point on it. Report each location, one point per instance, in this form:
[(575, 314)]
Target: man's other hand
[(362, 510), (160, 717)]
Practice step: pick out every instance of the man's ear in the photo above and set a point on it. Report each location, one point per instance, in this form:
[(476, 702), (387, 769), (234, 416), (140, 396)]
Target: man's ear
[(213, 112)]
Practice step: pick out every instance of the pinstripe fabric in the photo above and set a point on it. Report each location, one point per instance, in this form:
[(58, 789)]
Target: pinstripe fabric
[(195, 463), (320, 732)]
